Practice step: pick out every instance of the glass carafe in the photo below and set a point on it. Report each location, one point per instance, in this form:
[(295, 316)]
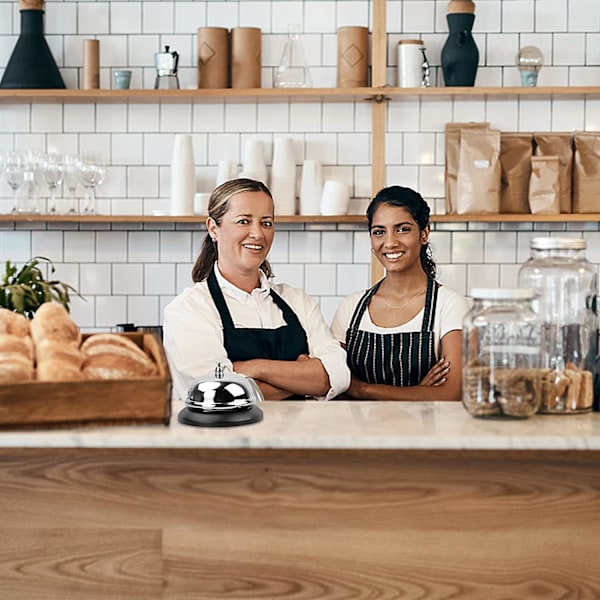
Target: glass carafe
[(293, 71)]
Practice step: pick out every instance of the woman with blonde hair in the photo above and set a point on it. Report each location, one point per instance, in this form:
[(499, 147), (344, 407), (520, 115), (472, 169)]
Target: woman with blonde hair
[(234, 315)]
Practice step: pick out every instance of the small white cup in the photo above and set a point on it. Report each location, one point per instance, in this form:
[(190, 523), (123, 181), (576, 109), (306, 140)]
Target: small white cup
[(311, 187), (201, 203), (335, 199)]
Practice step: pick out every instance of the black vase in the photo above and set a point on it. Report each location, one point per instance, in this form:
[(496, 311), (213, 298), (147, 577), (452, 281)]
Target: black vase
[(31, 64), (460, 55)]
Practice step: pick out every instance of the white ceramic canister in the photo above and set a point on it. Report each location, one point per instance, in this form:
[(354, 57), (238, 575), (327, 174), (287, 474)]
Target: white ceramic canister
[(410, 63)]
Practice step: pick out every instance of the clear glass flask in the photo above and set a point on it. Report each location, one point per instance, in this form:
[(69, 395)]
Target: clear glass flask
[(293, 71)]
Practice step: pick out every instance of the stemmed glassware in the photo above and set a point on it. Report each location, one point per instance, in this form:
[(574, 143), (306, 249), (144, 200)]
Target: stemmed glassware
[(91, 175), (71, 165), (14, 171), (53, 176)]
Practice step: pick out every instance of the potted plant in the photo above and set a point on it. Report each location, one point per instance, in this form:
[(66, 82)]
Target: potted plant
[(24, 290)]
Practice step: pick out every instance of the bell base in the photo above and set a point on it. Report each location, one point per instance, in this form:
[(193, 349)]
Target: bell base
[(188, 416)]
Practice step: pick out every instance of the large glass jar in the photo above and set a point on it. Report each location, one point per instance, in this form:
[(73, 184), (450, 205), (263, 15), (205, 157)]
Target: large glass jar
[(566, 286), (501, 354)]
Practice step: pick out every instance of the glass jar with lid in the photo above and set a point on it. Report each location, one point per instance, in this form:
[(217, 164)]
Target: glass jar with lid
[(501, 354), (566, 287)]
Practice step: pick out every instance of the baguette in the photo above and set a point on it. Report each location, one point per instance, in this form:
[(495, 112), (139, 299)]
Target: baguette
[(15, 368), (52, 321), (16, 344), (112, 356)]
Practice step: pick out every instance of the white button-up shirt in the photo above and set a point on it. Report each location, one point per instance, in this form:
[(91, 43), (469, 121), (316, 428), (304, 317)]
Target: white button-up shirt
[(193, 332)]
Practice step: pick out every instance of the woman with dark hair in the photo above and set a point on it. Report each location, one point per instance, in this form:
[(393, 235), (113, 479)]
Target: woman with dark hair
[(403, 336), (233, 315)]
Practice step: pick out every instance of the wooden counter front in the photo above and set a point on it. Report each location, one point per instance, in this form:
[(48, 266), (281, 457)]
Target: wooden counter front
[(305, 522)]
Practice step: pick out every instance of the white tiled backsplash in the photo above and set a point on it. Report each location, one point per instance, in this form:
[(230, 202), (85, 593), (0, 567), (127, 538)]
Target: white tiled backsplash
[(129, 272)]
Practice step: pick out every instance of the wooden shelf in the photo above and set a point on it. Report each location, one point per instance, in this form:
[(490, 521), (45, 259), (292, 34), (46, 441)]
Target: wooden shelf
[(169, 219), (394, 93), (376, 94), (192, 95), (454, 218)]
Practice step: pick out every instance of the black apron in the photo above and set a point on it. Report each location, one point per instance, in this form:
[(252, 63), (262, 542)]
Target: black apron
[(283, 343), (400, 359)]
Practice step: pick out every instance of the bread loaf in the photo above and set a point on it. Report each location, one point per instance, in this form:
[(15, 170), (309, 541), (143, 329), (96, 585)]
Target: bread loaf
[(14, 343), (52, 321), (112, 356), (13, 323), (55, 369), (15, 368)]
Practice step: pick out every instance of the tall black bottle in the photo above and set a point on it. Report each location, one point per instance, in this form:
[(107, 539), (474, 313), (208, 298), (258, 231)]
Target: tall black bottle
[(460, 55), (31, 64)]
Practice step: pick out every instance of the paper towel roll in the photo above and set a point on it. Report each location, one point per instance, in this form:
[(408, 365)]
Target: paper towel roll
[(183, 176)]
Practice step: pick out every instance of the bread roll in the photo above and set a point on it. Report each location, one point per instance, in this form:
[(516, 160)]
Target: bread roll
[(52, 321), (13, 323)]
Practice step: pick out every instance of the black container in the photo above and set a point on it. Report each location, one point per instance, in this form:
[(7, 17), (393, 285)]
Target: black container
[(31, 64), (460, 55)]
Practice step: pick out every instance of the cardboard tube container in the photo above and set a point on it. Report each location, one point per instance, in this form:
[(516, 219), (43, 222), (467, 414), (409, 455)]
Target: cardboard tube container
[(91, 64), (352, 57), (245, 57), (213, 57)]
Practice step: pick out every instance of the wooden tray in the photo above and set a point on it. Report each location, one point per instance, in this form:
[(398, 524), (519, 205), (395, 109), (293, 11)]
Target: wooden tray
[(40, 404)]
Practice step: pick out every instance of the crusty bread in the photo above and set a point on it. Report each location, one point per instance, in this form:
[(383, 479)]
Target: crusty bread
[(55, 369), (115, 366), (14, 368), (13, 323), (15, 343), (113, 356), (52, 321), (51, 350)]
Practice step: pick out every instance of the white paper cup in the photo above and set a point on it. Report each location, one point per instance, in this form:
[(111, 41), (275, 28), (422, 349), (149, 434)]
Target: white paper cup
[(335, 198), (201, 203), (311, 187)]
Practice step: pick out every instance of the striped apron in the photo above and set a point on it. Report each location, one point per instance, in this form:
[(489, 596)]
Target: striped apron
[(400, 359)]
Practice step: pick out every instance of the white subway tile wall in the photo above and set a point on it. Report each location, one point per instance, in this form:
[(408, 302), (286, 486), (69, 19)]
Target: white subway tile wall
[(128, 272)]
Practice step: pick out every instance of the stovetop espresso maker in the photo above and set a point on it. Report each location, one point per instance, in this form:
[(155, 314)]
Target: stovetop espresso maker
[(166, 70)]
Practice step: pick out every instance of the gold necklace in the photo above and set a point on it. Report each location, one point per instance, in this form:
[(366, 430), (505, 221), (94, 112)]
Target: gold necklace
[(420, 293)]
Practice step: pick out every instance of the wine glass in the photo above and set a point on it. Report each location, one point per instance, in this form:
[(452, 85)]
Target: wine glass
[(53, 176), (14, 171), (71, 165), (91, 175)]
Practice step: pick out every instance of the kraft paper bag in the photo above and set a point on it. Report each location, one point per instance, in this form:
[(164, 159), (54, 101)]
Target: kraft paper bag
[(586, 172), (479, 172), (544, 185), (516, 150), (561, 145), (452, 155)]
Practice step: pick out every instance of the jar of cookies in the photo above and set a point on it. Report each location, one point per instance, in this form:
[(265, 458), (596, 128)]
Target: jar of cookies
[(501, 354), (566, 287)]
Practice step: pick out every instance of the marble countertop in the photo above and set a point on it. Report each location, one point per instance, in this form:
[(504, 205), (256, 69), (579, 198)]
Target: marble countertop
[(338, 425)]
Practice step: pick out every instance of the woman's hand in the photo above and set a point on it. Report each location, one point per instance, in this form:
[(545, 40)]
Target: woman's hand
[(438, 374)]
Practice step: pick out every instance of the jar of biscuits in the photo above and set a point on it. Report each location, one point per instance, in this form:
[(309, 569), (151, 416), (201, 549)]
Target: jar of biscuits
[(501, 354), (566, 287)]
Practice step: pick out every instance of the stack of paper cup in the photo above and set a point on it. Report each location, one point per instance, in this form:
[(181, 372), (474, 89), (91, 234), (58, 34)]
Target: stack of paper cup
[(183, 176), (311, 187), (226, 170), (254, 165), (283, 177), (335, 198)]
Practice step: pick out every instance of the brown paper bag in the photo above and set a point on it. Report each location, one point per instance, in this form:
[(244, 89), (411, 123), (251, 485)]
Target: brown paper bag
[(586, 172), (479, 173), (452, 156), (515, 159), (544, 185), (561, 145)]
